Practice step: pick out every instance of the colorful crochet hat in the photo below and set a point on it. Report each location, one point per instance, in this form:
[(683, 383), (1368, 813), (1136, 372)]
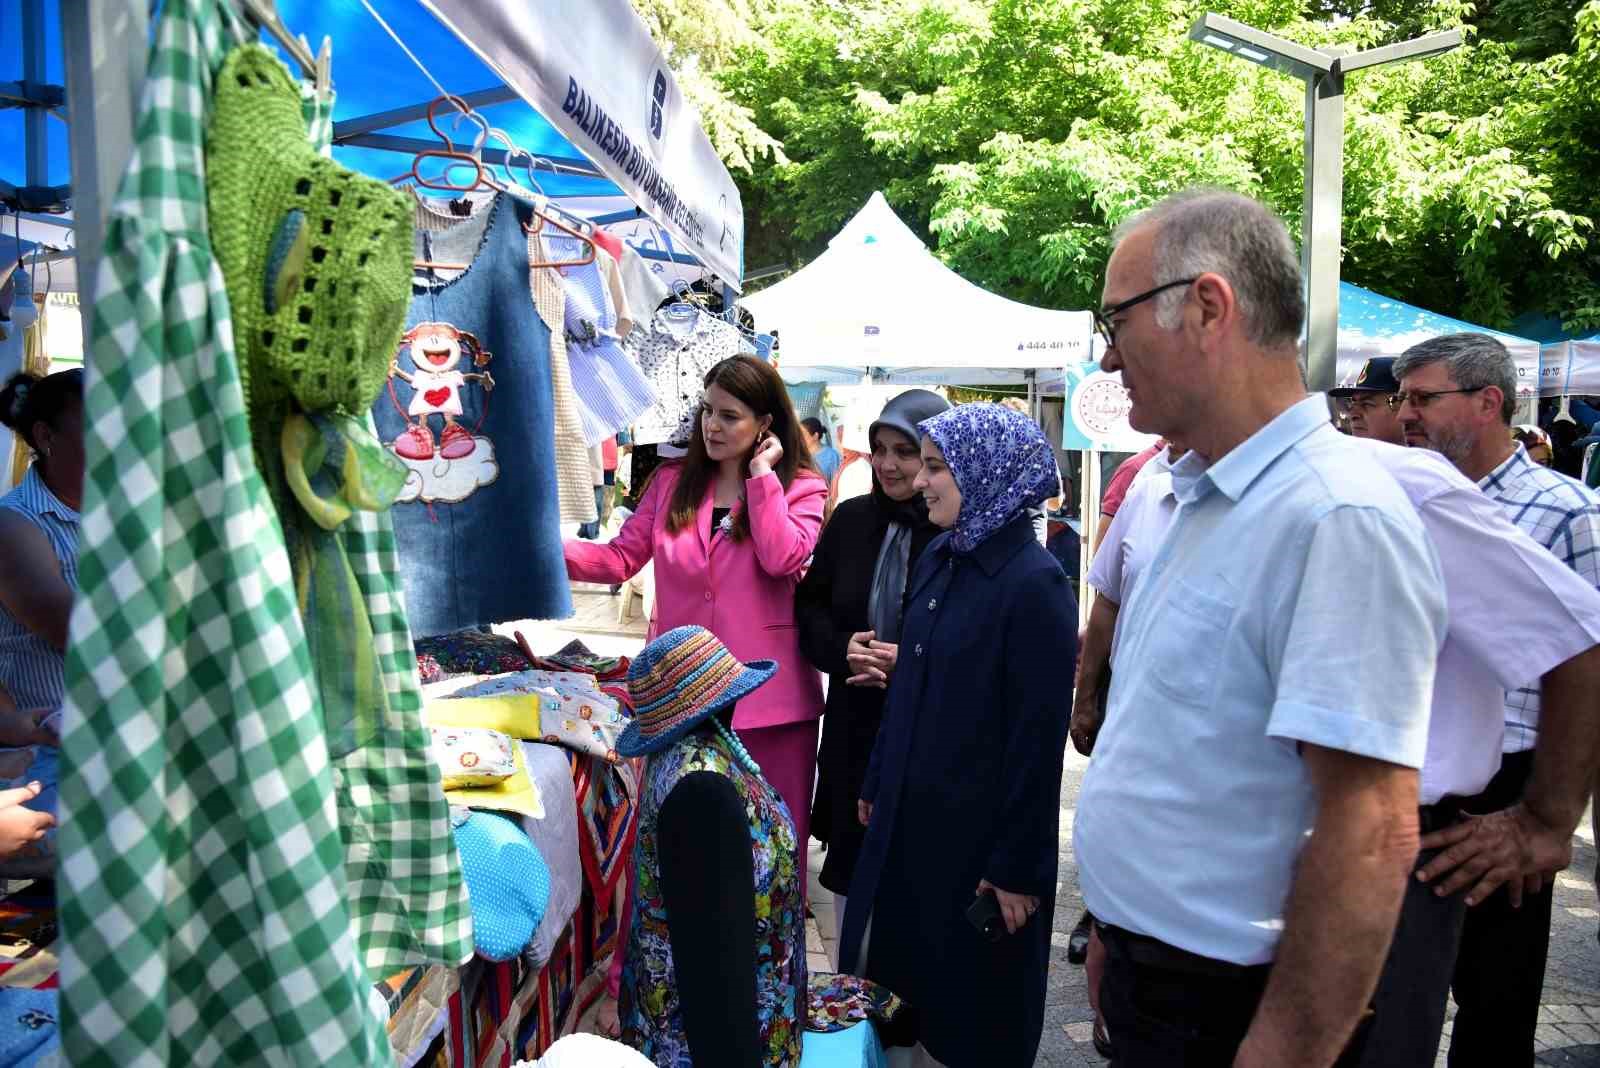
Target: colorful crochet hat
[(679, 680), (316, 258)]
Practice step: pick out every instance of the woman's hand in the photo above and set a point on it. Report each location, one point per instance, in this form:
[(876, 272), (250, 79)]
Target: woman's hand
[(865, 661), (21, 827), (864, 812), (1015, 909), (768, 452)]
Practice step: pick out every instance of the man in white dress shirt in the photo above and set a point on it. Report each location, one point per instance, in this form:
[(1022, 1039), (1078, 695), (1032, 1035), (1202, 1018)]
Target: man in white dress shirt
[(1457, 397)]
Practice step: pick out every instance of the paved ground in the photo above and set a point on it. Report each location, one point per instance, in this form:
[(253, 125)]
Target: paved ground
[(1569, 1035)]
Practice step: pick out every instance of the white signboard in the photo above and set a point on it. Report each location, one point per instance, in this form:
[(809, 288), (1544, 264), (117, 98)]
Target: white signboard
[(591, 69), (1096, 415)]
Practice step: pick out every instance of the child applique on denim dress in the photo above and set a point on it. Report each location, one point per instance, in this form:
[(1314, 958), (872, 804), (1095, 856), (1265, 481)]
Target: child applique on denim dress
[(468, 409)]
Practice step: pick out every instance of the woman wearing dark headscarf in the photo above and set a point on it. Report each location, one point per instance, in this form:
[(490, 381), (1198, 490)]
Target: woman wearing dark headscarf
[(848, 609), (963, 791)]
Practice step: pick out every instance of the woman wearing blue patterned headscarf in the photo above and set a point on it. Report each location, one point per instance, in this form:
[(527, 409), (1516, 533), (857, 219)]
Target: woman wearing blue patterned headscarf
[(961, 799)]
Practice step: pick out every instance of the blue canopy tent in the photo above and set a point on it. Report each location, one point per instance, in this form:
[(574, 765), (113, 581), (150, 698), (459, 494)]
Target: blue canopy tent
[(381, 98), (1371, 324)]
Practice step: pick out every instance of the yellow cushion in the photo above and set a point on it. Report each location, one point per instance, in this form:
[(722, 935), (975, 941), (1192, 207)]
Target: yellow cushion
[(516, 714)]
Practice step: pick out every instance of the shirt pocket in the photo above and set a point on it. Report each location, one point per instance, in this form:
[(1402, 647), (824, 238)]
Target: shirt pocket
[(1187, 648)]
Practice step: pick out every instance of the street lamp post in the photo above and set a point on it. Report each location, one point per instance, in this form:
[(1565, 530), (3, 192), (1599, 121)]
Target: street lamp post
[(1323, 72)]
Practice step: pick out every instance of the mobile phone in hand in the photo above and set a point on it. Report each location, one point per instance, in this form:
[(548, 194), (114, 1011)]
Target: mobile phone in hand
[(984, 915)]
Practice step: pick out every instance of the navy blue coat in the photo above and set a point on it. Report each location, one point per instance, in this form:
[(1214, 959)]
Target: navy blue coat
[(965, 781)]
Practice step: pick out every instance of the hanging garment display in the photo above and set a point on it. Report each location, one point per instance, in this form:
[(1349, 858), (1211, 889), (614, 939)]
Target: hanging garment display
[(469, 410), (611, 272), (573, 486), (201, 866), (643, 285), (611, 390), (680, 344), (316, 311)]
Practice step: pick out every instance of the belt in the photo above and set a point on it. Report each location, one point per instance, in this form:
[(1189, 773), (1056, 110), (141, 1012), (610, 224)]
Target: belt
[(1439, 815), (1154, 953)]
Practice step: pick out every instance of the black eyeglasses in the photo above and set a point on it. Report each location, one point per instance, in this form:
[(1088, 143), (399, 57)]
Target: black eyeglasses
[(1421, 398), (1103, 317)]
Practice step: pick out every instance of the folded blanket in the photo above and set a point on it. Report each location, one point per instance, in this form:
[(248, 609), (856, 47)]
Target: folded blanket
[(29, 1035), (472, 652)]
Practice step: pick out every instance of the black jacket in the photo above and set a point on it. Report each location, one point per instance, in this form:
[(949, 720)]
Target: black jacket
[(831, 605)]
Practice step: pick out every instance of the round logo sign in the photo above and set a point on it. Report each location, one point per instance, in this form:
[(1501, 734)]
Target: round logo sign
[(1100, 406)]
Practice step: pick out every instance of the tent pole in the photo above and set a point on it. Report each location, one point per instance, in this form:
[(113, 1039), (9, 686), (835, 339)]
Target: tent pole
[(105, 84), (1089, 513)]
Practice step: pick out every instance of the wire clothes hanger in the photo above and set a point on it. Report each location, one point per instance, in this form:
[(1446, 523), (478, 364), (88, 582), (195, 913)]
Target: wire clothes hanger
[(263, 15)]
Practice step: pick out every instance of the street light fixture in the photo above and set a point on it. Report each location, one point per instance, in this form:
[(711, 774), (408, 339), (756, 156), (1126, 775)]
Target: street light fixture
[(1323, 72)]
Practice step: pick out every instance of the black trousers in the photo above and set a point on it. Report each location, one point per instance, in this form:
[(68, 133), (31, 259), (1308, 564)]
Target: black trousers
[(1415, 984), (1499, 974), (1168, 1009)]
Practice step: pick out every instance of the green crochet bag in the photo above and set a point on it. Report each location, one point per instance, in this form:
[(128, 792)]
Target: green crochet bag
[(316, 258)]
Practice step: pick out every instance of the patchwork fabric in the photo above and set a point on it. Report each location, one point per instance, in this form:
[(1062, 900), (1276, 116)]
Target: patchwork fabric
[(572, 710), (474, 652), (608, 814), (835, 1002)]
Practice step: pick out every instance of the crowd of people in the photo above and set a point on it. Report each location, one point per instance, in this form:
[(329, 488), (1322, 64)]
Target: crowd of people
[(1325, 792)]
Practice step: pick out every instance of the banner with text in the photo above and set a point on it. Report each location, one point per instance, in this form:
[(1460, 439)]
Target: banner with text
[(591, 68)]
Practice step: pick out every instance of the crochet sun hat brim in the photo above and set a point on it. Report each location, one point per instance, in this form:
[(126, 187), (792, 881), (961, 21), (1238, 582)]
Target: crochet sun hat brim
[(680, 680)]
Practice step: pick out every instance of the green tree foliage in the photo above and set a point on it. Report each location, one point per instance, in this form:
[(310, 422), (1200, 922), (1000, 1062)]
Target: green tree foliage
[(1014, 134)]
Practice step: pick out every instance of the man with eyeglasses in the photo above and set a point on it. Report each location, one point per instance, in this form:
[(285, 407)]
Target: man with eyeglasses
[(1366, 402), (1245, 830), (1457, 397)]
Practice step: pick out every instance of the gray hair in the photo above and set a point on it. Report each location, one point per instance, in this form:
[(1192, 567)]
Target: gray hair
[(1473, 361), (1217, 231)]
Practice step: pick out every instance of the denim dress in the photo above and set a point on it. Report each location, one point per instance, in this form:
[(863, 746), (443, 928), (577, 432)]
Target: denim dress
[(469, 410)]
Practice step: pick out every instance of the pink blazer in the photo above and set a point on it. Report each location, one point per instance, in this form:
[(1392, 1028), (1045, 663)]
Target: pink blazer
[(741, 591)]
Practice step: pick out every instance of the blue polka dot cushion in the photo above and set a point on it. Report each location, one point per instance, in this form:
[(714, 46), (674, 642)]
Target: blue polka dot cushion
[(507, 879)]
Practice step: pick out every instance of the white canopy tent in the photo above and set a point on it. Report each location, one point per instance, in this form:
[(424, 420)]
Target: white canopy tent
[(1570, 368), (877, 304)]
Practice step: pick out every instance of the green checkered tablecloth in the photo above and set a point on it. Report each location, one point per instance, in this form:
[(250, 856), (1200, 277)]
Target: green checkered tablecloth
[(212, 891)]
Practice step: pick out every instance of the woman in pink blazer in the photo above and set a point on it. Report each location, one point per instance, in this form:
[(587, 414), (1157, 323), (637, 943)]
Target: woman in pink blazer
[(730, 529)]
